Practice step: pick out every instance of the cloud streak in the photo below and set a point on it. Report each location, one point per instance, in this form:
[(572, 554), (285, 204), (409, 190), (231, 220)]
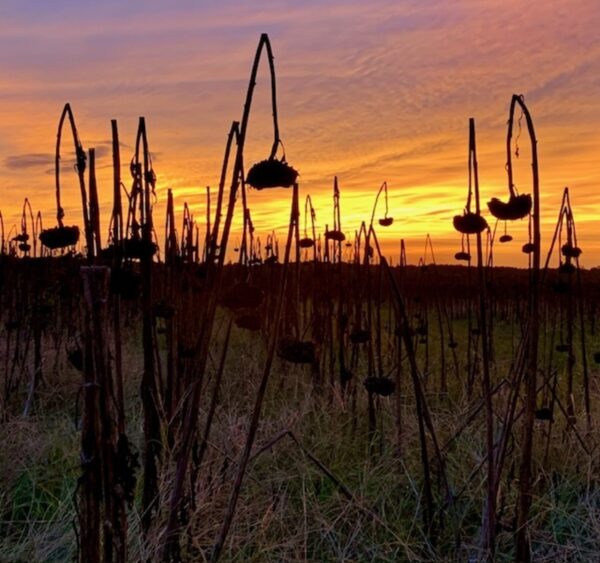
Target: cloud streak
[(28, 161)]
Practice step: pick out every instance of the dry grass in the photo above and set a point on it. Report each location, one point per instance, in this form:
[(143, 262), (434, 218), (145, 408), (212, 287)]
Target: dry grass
[(289, 510)]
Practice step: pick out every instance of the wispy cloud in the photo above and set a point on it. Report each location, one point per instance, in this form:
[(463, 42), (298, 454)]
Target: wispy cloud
[(28, 161)]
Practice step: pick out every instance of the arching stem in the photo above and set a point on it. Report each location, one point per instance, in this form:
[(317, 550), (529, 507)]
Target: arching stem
[(525, 481)]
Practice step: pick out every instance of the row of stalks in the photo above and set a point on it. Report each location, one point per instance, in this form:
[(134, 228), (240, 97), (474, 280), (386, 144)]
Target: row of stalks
[(377, 342)]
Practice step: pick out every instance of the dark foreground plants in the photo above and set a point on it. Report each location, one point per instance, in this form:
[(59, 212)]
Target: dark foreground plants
[(304, 399)]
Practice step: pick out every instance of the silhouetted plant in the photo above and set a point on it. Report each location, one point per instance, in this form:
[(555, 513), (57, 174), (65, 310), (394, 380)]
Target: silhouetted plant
[(61, 236)]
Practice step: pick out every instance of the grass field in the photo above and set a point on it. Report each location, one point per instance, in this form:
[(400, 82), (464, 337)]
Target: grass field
[(333, 489)]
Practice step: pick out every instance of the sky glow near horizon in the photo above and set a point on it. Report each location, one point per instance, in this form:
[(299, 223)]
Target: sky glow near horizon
[(367, 91)]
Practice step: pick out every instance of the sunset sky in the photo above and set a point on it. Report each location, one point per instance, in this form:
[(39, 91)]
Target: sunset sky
[(368, 91)]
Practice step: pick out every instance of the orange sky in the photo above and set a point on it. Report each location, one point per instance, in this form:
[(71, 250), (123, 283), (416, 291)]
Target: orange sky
[(370, 91)]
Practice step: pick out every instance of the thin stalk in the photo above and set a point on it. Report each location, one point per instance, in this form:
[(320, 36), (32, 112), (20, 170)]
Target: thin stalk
[(523, 552), (80, 168), (490, 513), (94, 205), (149, 388)]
